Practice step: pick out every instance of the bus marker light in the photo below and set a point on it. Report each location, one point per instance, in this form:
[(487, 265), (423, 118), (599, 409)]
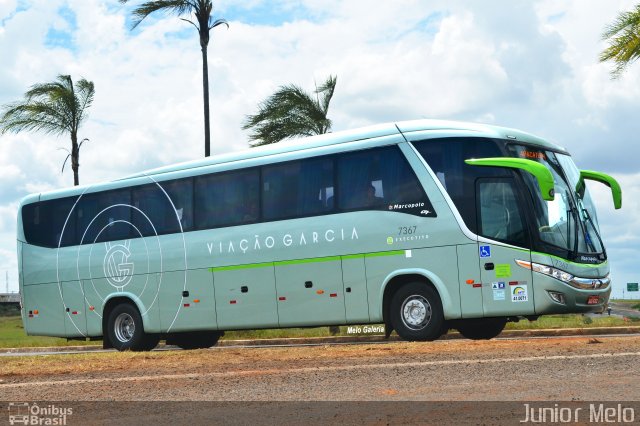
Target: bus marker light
[(233, 302), (186, 305), (281, 298), (36, 312), (333, 295), (478, 285), (320, 291), (74, 313), (196, 300), (91, 308), (470, 281)]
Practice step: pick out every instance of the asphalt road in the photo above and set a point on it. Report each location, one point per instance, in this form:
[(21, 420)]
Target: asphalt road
[(345, 384), (623, 311)]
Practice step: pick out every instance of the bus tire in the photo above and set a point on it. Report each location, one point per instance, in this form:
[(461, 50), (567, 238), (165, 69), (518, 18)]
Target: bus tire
[(481, 328), (126, 332), (195, 340), (416, 312)]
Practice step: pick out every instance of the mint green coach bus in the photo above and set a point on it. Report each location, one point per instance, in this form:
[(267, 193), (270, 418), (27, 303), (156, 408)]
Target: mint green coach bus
[(421, 225)]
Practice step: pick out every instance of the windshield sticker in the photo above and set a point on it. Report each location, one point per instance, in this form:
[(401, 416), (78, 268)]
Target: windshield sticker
[(499, 285), (503, 270), (519, 293), (499, 295), (533, 155)]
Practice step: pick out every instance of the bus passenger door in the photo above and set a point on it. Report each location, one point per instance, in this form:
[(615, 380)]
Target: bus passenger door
[(507, 288), (310, 292)]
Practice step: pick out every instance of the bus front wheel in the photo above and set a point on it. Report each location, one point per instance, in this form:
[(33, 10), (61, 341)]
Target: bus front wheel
[(416, 312), (126, 332), (481, 328)]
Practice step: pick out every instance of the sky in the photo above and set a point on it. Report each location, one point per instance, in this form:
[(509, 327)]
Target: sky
[(531, 65)]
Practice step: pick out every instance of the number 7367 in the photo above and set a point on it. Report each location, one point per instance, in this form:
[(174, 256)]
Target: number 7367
[(406, 230)]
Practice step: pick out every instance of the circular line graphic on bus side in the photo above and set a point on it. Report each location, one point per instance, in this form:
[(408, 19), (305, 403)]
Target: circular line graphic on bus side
[(119, 267)]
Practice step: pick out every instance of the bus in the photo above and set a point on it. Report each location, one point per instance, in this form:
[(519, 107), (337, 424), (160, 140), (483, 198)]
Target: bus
[(423, 226)]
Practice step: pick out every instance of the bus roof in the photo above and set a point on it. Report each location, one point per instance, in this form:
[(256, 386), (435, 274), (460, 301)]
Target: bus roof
[(442, 127), (387, 129)]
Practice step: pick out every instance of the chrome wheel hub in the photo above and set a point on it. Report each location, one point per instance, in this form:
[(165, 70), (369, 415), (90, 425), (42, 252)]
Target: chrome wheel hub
[(124, 327), (416, 312)]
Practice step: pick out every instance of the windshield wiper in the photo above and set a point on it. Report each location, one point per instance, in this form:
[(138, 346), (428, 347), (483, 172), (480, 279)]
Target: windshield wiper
[(574, 214), (593, 226)]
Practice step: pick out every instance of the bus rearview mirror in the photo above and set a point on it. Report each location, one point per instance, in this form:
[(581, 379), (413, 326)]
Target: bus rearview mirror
[(539, 171)]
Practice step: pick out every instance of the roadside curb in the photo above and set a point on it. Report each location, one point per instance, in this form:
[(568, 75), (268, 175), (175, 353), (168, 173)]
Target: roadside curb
[(359, 338)]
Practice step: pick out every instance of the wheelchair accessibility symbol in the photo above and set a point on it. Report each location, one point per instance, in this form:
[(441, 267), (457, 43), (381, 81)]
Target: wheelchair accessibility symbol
[(485, 251)]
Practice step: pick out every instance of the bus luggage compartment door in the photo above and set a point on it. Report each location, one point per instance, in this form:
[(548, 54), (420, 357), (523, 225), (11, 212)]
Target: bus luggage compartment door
[(44, 310), (246, 297), (75, 316), (310, 292)]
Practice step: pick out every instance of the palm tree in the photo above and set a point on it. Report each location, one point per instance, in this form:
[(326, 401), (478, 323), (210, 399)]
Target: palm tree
[(291, 112), (623, 36), (201, 9), (54, 108)]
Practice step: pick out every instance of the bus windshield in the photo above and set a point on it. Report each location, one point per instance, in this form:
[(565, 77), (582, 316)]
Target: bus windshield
[(569, 222)]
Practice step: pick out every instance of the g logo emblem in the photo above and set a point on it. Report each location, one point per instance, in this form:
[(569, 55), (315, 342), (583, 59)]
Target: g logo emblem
[(117, 268)]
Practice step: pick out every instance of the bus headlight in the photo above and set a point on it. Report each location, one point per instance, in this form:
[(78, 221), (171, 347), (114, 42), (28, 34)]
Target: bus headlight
[(567, 278), (563, 276)]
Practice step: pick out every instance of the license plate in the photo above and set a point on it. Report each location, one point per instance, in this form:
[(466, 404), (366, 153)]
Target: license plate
[(593, 300)]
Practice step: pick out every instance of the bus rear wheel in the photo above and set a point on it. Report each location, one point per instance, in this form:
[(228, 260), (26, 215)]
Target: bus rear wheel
[(482, 328), (126, 332), (195, 340), (416, 312)]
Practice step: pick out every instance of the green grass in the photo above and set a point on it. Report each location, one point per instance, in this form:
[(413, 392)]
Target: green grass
[(281, 333), (570, 321), (12, 333)]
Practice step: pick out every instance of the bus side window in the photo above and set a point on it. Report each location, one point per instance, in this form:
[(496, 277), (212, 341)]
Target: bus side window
[(297, 188), (181, 193), (445, 156), (226, 199), (375, 178), (499, 212)]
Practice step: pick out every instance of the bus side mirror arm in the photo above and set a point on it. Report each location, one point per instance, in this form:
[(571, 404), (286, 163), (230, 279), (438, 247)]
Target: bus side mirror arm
[(616, 191), (539, 171)]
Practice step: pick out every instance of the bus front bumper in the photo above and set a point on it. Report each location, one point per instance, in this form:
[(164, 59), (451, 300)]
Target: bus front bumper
[(556, 297)]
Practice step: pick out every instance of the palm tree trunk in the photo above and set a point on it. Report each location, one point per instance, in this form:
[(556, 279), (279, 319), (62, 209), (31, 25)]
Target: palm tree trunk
[(75, 158), (205, 92)]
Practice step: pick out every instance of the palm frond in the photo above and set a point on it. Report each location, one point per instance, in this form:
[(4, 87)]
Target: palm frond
[(623, 36), (83, 98), (217, 22), (169, 7), (291, 112)]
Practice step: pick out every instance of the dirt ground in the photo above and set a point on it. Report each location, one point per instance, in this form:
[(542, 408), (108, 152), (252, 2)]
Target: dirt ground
[(497, 371)]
